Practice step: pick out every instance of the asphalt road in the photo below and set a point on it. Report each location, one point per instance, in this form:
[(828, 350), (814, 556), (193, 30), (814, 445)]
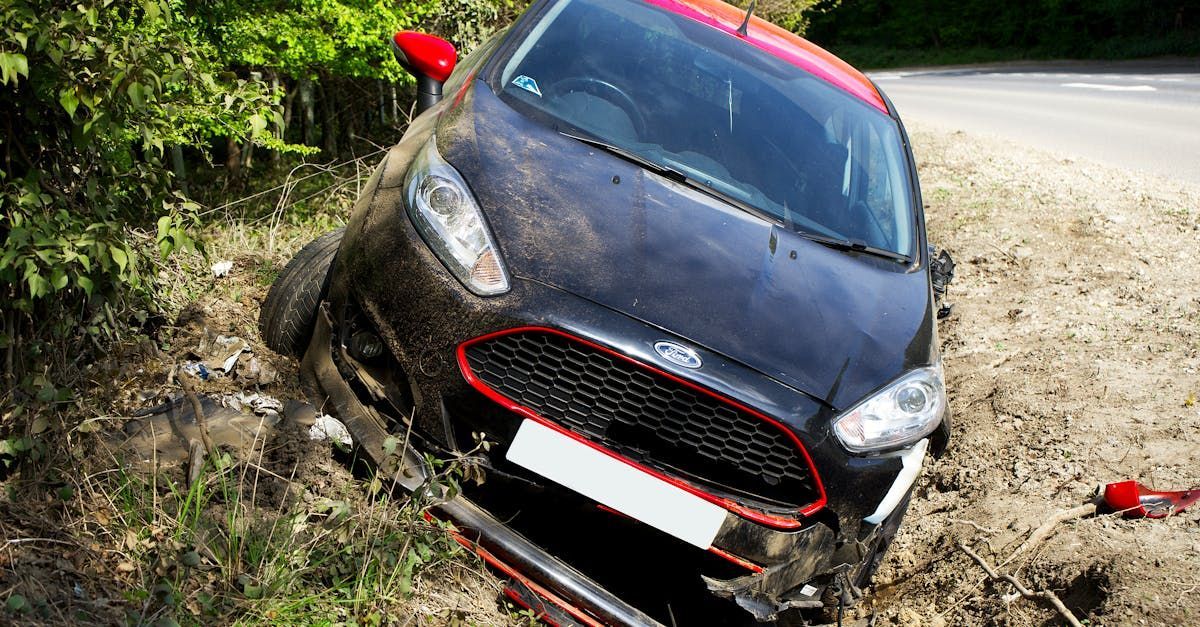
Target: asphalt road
[(1143, 116)]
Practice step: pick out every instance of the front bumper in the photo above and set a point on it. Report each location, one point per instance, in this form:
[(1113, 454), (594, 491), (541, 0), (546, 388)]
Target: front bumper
[(531, 568), (495, 542), (390, 282)]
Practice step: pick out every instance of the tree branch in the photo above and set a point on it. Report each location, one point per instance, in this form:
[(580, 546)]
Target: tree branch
[(1044, 531), (1046, 595), (197, 408)]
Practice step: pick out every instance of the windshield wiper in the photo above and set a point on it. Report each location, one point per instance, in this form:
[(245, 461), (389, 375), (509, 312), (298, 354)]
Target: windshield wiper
[(852, 245), (627, 155), (857, 246), (673, 174)]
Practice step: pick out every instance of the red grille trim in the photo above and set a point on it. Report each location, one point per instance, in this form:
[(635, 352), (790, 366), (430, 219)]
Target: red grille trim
[(770, 520)]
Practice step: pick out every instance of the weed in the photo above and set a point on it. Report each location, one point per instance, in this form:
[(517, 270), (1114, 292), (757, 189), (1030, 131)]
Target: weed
[(247, 544), (265, 272)]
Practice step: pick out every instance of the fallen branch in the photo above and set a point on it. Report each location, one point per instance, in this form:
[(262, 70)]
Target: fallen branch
[(197, 408), (1045, 595), (196, 450), (195, 461), (1044, 531)]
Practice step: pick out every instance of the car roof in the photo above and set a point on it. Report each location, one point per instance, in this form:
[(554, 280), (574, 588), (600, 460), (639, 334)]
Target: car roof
[(781, 43)]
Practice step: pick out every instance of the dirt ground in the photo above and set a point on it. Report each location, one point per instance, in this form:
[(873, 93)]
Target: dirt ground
[(1072, 360)]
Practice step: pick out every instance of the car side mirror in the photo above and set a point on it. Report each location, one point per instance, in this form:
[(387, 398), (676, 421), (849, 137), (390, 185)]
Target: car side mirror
[(430, 59)]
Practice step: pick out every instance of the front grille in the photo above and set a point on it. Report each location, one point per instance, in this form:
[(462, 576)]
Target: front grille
[(645, 416)]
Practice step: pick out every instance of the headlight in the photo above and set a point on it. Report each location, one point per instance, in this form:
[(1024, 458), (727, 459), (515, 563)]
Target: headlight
[(896, 416), (444, 212)]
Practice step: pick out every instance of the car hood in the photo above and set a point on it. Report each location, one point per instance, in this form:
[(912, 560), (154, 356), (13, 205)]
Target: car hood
[(831, 324)]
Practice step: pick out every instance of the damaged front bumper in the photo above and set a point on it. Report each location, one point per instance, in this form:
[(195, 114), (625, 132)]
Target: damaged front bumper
[(535, 569), (541, 580), (816, 561)]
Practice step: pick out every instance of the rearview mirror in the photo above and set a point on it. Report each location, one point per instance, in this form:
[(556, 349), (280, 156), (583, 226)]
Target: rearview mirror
[(430, 59)]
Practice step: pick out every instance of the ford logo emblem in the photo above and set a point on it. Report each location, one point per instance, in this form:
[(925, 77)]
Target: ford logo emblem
[(678, 353)]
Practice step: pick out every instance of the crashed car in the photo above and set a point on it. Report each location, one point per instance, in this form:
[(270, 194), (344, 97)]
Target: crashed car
[(657, 272)]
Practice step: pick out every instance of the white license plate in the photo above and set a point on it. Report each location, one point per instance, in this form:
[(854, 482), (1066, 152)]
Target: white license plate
[(615, 483)]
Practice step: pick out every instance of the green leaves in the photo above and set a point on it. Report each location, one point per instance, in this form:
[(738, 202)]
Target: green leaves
[(17, 603), (58, 279), (38, 286), (137, 94), (307, 38), (191, 559), (120, 257), (258, 124), (88, 209), (172, 233), (69, 101), (13, 65)]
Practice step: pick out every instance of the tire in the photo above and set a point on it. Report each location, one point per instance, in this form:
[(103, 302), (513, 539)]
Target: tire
[(290, 309)]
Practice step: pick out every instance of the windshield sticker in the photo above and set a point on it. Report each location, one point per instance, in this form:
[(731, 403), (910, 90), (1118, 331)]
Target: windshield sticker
[(528, 84)]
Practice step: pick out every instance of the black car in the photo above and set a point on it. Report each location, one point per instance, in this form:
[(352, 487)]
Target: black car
[(657, 271)]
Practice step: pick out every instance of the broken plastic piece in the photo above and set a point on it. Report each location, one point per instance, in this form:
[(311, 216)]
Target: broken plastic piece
[(1136, 500), (163, 435), (326, 427), (259, 404), (253, 371), (197, 369), (220, 353), (941, 273), (221, 268)]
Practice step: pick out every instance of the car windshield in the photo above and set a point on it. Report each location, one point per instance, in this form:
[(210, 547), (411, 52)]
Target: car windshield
[(726, 115)]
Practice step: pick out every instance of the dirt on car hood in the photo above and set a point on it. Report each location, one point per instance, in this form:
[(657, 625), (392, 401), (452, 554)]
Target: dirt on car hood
[(832, 324)]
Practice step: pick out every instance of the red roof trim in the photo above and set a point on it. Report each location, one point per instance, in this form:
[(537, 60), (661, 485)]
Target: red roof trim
[(781, 43)]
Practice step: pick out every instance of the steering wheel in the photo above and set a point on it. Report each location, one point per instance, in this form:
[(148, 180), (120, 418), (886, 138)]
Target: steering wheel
[(605, 91)]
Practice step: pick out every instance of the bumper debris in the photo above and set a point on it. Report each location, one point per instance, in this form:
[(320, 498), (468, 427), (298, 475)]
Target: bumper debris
[(1135, 500)]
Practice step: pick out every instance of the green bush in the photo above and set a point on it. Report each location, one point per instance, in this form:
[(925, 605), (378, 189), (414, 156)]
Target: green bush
[(94, 94), (309, 38), (99, 99)]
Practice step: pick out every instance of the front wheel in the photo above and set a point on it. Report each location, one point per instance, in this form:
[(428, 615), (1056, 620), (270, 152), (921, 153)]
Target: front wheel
[(290, 310)]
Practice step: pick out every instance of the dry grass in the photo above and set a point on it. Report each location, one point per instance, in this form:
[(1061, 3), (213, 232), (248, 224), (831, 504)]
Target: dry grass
[(280, 533)]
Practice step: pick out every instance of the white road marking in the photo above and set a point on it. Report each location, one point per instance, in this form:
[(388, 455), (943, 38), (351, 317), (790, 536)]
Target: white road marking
[(1102, 87)]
